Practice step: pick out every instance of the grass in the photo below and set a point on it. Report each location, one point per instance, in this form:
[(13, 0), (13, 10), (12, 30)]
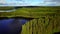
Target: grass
[(37, 12), (30, 12)]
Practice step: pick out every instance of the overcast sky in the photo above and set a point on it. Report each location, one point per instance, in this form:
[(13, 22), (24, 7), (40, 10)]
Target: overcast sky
[(30, 2)]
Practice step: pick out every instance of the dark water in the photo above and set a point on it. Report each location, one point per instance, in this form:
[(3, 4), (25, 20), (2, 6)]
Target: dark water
[(57, 33), (11, 26)]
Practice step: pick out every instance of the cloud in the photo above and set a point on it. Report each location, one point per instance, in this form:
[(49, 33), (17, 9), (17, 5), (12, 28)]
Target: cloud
[(47, 3), (52, 2), (31, 2)]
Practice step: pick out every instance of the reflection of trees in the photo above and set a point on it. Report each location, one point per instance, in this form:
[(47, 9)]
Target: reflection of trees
[(15, 26)]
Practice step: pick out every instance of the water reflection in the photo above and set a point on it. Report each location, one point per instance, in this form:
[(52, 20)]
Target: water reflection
[(11, 26)]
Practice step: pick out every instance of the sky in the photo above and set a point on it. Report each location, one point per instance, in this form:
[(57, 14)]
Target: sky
[(29, 2)]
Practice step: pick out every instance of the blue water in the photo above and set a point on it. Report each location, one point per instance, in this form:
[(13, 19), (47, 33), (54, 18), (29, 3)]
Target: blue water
[(11, 26)]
